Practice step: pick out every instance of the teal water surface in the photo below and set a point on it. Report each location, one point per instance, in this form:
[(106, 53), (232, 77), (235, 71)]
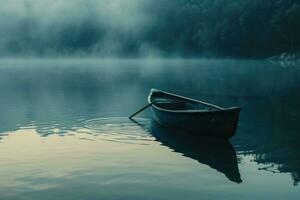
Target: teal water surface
[(64, 132)]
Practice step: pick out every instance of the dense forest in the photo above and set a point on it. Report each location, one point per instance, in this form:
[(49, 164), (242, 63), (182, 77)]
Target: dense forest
[(246, 28), (188, 28)]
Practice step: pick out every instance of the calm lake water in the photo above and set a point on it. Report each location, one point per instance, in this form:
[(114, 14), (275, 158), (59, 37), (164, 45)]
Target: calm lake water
[(64, 132)]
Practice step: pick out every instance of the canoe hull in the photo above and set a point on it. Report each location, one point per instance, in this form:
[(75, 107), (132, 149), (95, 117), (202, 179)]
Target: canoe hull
[(221, 124)]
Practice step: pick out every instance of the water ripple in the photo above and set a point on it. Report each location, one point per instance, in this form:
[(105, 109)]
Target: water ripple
[(116, 129)]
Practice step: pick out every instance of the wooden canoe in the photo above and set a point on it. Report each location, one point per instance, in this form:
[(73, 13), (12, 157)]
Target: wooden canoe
[(194, 116)]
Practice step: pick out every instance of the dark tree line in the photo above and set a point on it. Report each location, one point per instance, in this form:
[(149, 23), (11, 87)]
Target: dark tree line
[(243, 28)]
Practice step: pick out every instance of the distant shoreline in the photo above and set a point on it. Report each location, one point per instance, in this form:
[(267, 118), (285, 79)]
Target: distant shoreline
[(286, 58)]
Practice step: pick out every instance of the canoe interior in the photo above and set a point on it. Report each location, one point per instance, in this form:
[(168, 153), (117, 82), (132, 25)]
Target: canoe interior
[(184, 106), (169, 102)]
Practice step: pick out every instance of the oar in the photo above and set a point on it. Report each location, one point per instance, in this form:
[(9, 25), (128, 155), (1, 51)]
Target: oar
[(143, 108), (150, 104)]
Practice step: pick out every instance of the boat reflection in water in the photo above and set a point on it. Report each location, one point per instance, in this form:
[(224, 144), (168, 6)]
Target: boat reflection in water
[(217, 154)]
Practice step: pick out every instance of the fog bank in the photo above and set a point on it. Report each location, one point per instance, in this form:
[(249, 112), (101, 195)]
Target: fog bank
[(141, 28)]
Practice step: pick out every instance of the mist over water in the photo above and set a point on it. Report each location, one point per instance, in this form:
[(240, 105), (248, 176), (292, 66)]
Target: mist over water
[(147, 28), (74, 28)]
